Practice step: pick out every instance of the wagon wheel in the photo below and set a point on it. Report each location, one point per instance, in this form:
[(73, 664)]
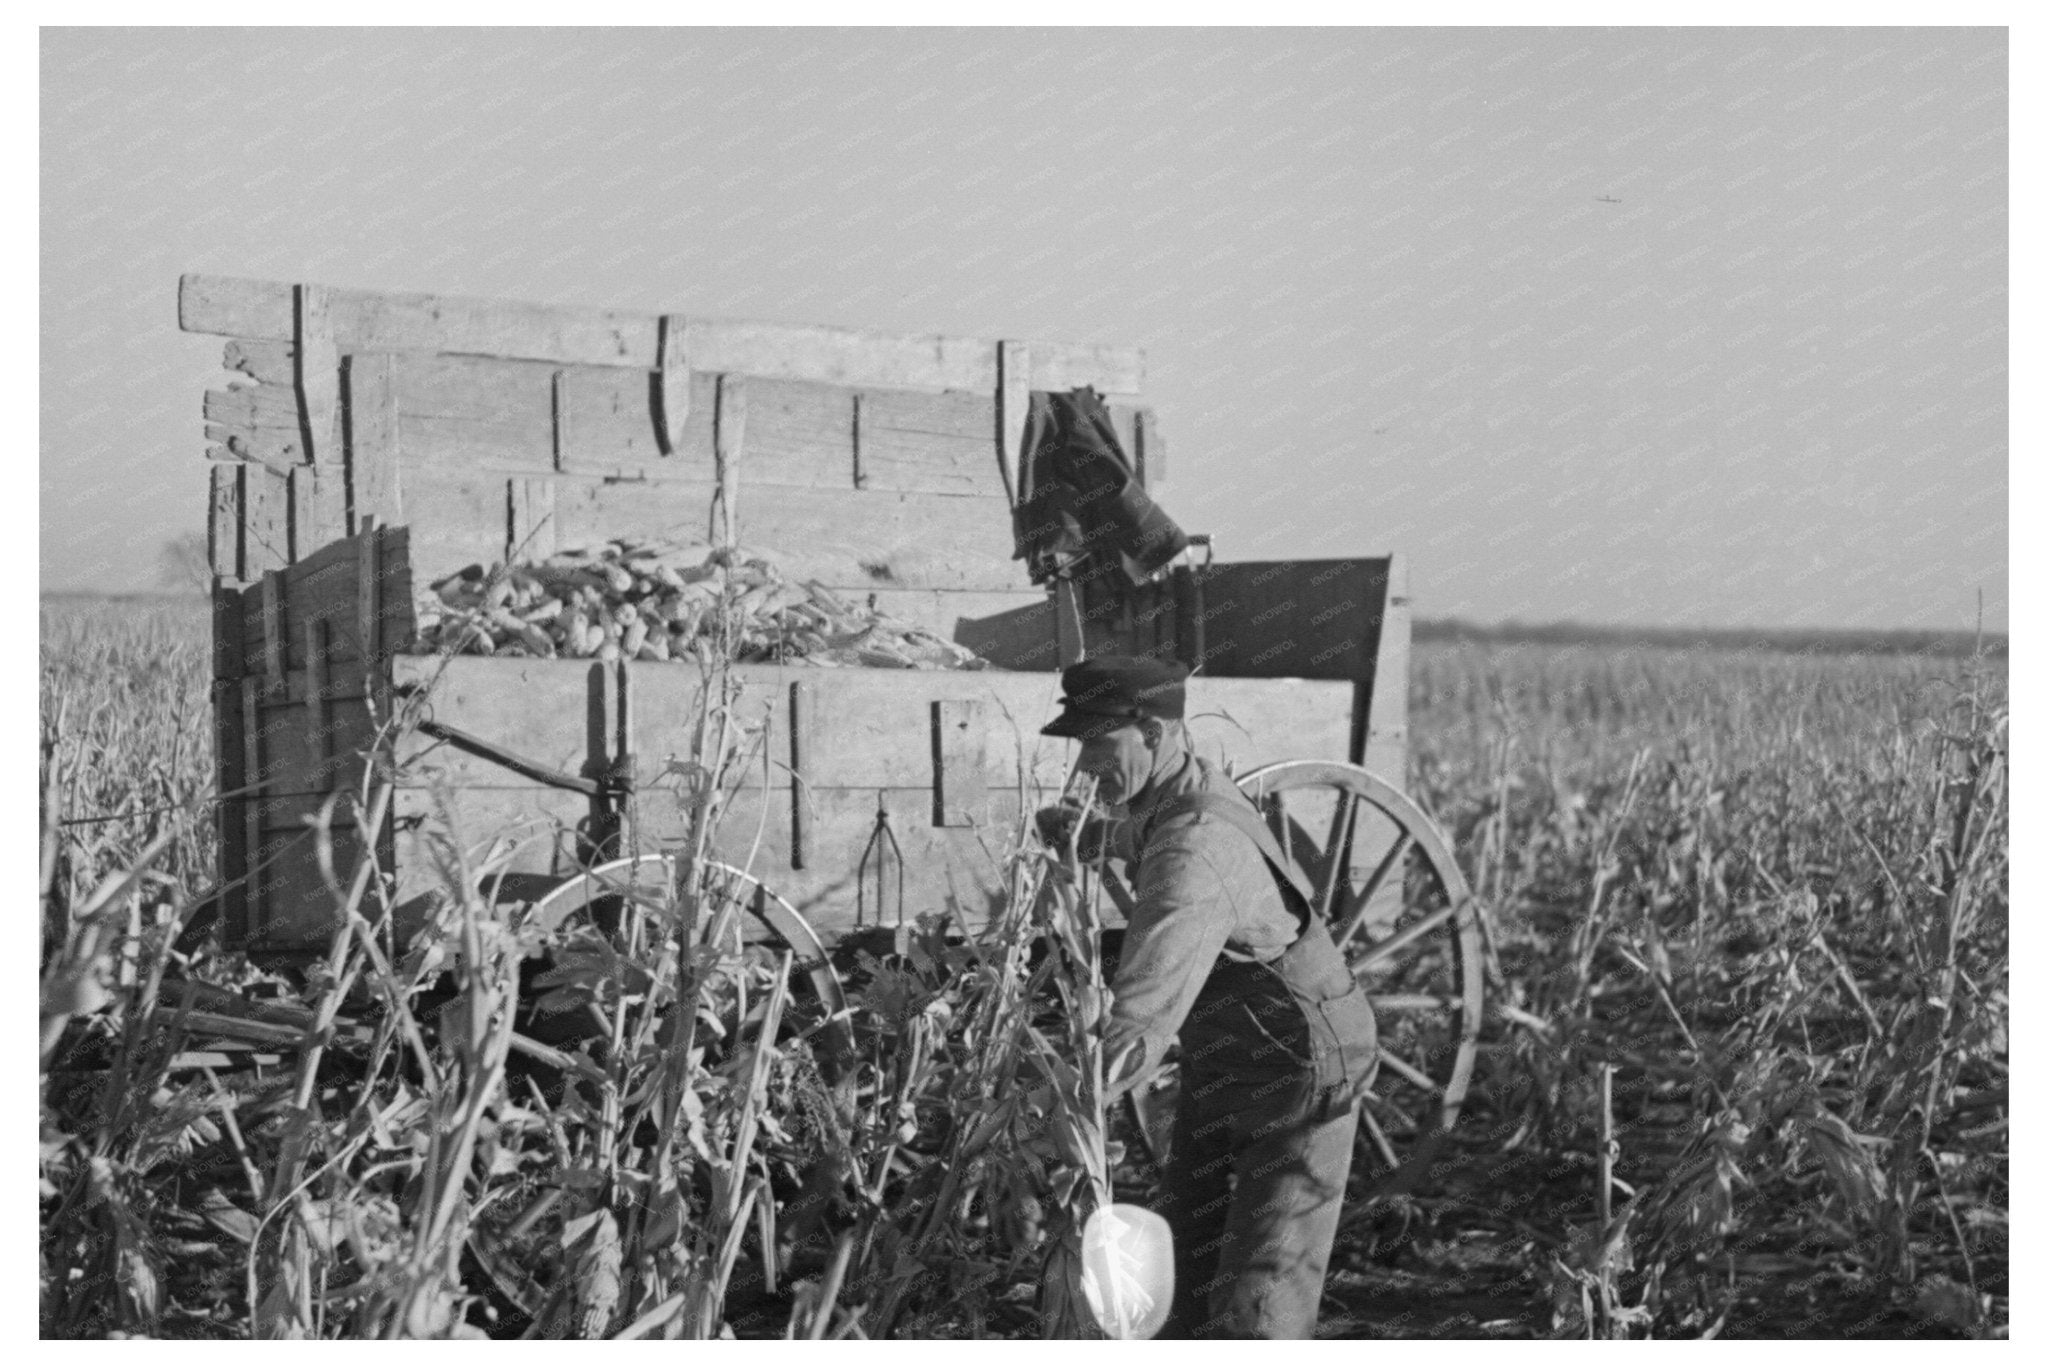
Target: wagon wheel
[(1400, 910), (600, 890), (519, 1251)]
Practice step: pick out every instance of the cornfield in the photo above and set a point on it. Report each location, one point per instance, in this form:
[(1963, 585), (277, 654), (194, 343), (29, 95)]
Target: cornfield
[(1748, 958)]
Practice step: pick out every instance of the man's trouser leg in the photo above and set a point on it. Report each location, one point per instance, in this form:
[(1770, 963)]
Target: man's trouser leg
[(1195, 1203), (1283, 1216)]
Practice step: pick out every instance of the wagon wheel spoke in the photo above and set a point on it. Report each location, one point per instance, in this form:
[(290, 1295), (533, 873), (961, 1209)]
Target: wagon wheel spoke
[(1355, 917), (1386, 949), (1378, 1137), (1337, 850), (1408, 1072)]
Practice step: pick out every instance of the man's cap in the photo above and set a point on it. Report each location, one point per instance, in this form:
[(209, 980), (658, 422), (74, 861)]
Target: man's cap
[(1116, 690)]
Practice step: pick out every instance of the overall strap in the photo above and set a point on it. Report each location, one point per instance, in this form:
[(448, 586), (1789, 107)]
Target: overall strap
[(1242, 817)]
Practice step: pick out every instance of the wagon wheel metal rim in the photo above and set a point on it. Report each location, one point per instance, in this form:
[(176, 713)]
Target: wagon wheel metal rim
[(634, 876), (1344, 901)]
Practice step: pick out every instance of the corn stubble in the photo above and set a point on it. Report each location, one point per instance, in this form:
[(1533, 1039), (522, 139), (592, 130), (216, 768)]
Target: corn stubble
[(1770, 895)]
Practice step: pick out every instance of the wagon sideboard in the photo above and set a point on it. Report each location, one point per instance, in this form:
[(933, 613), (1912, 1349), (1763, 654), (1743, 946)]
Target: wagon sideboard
[(373, 442), (866, 795)]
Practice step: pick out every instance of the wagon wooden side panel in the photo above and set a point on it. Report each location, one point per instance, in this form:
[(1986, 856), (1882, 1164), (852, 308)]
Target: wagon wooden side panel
[(864, 795)]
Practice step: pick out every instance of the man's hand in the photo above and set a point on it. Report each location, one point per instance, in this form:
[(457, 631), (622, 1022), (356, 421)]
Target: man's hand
[(1056, 823), (1056, 826)]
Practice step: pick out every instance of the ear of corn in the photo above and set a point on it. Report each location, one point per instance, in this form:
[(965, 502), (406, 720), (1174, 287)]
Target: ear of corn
[(630, 600)]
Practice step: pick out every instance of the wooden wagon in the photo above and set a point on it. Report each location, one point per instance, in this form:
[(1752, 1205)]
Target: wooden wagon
[(371, 442)]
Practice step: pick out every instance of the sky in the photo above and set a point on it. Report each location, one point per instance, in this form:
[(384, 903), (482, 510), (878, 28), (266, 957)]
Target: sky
[(1692, 327)]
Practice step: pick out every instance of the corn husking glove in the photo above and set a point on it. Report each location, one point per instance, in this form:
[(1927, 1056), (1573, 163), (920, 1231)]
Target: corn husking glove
[(1056, 826)]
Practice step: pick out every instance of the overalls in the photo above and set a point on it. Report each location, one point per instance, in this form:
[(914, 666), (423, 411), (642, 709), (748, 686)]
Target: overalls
[(1274, 1057)]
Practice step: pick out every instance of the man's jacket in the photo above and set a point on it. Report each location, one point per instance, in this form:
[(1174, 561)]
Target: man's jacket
[(1204, 892)]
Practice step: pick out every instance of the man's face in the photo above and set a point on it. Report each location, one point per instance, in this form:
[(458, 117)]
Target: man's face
[(1120, 761)]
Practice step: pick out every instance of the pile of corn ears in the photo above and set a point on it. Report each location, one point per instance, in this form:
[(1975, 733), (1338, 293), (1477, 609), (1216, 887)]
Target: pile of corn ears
[(635, 600)]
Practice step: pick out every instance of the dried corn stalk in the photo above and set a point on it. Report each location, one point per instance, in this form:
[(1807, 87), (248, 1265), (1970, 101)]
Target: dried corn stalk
[(634, 600)]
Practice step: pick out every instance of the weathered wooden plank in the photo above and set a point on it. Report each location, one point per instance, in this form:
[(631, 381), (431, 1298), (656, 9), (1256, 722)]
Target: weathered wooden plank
[(729, 440), (479, 389), (799, 434), (227, 633), (370, 414), (1105, 369), (327, 587), (853, 359), (863, 726), (802, 708), (316, 371), (875, 538), (930, 443), (267, 362), (1151, 449), (924, 869), (370, 588), (319, 508), (316, 710), (968, 417), (606, 426), (343, 684), (935, 867), (311, 745), (396, 622), (457, 518), (254, 405), (224, 520), (1386, 730), (959, 761), (460, 443), (470, 411), (251, 804), (268, 445), (231, 306), (231, 861), (322, 562), (1013, 411), (533, 532), (270, 603), (554, 712), (1247, 722), (366, 321), (296, 910), (673, 382), (479, 412), (604, 422), (870, 360)]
